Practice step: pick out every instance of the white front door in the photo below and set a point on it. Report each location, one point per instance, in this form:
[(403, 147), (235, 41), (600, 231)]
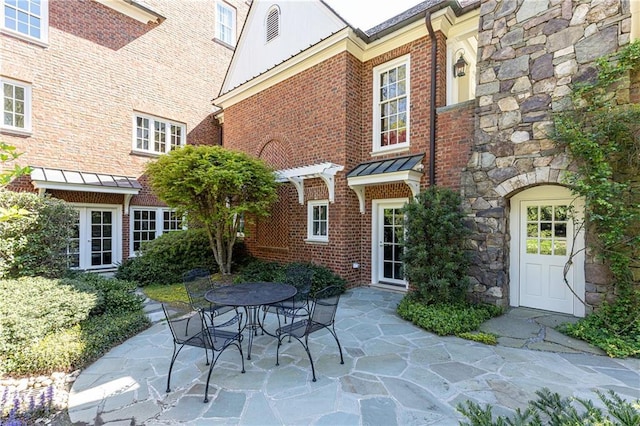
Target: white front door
[(388, 229), (96, 242), (544, 240)]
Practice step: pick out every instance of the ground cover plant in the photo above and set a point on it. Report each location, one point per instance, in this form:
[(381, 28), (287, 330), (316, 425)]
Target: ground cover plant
[(553, 410), (60, 325), (602, 135)]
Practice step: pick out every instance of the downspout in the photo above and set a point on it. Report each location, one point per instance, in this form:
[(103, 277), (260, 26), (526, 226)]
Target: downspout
[(432, 112)]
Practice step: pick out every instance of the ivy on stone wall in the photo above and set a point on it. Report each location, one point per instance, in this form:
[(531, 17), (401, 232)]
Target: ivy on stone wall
[(602, 133)]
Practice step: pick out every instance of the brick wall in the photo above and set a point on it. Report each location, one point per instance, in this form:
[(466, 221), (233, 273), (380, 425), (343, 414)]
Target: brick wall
[(99, 68), (325, 114)]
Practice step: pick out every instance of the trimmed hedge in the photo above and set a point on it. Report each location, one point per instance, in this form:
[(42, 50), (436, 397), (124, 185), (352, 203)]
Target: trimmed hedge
[(165, 259), (51, 325), (35, 243)]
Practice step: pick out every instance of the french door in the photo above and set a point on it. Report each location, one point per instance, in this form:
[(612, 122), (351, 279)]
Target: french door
[(96, 240), (388, 230)]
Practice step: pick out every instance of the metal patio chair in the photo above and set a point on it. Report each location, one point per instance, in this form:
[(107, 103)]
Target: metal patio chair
[(321, 316), (197, 282), (197, 333), (301, 277)]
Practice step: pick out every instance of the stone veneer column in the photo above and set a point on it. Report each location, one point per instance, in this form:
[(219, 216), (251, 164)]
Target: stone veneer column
[(529, 54)]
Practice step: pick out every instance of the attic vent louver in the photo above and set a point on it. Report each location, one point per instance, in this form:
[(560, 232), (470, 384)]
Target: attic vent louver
[(273, 23)]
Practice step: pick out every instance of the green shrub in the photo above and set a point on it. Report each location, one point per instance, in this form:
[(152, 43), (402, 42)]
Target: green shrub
[(61, 324), (259, 270), (165, 259), (551, 409), (35, 243), (615, 327), (434, 257), (445, 318)]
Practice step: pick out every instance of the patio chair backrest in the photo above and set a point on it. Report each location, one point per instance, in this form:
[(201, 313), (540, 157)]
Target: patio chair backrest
[(301, 277), (186, 325), (197, 282), (324, 307)]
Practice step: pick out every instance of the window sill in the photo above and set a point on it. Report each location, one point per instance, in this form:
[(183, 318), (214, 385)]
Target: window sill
[(26, 38), (316, 241), (397, 150), (224, 43), (16, 132), (145, 153)]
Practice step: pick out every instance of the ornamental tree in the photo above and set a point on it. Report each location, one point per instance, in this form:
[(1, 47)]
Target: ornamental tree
[(214, 187)]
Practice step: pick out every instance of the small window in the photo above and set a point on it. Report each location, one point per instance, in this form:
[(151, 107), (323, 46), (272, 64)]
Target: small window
[(26, 18), (391, 105), (318, 221), (273, 23), (226, 23), (157, 135), (16, 111), (149, 223)]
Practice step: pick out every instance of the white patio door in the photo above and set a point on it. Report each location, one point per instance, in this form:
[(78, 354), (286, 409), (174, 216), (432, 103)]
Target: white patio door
[(388, 229), (546, 231), (96, 243)]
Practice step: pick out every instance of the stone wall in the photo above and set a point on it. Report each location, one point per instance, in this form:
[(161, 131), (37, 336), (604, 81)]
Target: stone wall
[(529, 55)]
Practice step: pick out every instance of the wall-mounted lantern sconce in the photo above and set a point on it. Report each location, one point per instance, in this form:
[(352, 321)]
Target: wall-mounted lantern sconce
[(460, 67)]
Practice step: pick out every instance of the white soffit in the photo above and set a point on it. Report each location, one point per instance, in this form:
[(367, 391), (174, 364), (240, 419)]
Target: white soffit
[(136, 9), (297, 175)]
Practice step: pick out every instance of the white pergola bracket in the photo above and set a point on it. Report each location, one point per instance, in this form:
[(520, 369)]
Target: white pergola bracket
[(324, 171)]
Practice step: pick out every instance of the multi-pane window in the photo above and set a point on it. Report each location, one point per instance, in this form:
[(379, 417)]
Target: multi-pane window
[(318, 220), (157, 135), (547, 229), (149, 223), (16, 106), (26, 17), (391, 104), (225, 23), (273, 23)]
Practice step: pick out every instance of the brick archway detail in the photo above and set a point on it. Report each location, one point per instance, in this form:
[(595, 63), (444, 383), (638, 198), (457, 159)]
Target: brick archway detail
[(275, 153)]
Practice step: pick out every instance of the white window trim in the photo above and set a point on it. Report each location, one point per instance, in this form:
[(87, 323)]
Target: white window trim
[(310, 206), (159, 222), (234, 33), (43, 40), (152, 119), (26, 130), (377, 148)]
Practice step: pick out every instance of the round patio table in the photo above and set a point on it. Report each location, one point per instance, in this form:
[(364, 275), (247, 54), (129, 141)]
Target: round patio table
[(251, 296)]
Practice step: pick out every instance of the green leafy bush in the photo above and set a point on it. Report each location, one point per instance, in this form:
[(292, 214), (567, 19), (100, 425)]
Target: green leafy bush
[(615, 327), (60, 324), (553, 410), (259, 270), (35, 242), (445, 318), (165, 259), (434, 257)]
